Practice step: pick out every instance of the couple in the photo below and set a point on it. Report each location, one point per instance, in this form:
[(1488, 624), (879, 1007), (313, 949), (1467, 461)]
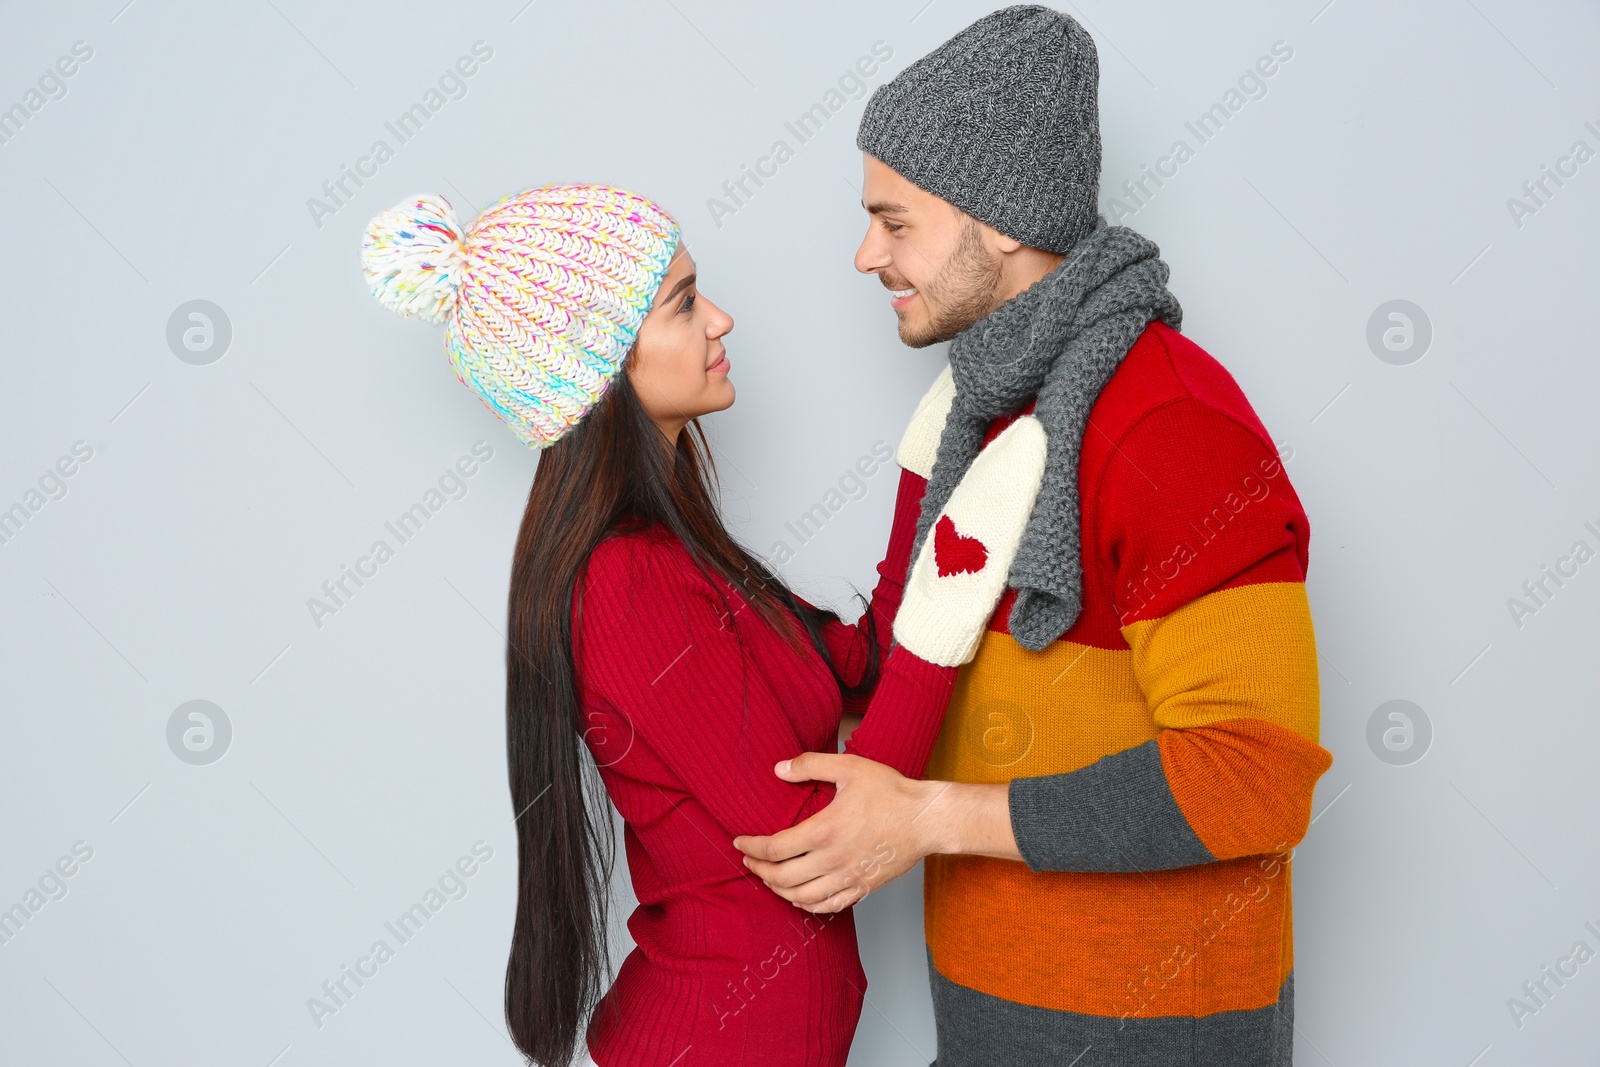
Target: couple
[(1090, 630)]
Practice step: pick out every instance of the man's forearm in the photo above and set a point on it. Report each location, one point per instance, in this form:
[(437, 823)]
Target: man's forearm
[(964, 818)]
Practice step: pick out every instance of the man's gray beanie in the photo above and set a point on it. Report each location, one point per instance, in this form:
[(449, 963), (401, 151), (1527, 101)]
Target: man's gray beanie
[(1003, 121)]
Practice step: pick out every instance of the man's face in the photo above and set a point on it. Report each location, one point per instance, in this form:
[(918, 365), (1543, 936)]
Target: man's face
[(935, 259)]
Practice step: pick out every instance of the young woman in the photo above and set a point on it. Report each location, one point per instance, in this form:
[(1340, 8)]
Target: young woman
[(641, 632)]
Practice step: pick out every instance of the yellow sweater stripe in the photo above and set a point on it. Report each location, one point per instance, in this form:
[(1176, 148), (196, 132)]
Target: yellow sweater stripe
[(1016, 713), (1245, 652)]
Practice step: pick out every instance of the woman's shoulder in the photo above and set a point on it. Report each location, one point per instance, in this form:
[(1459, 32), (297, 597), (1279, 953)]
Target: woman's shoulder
[(642, 562), (625, 544)]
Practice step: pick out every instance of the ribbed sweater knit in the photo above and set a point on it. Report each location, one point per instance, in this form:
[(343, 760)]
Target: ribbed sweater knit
[(688, 700)]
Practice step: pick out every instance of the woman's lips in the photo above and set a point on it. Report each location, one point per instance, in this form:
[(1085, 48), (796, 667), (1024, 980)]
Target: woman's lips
[(720, 366)]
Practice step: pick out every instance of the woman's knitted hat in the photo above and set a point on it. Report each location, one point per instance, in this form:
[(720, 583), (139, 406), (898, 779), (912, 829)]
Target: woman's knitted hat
[(541, 297)]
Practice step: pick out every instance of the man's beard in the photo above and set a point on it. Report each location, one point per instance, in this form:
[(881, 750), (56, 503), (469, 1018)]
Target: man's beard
[(961, 294)]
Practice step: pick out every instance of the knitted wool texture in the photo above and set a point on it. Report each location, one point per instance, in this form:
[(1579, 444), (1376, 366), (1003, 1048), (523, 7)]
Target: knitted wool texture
[(1060, 340), (1003, 121), (541, 297)]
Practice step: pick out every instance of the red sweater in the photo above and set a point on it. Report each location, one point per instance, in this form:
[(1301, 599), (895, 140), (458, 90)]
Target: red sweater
[(685, 719)]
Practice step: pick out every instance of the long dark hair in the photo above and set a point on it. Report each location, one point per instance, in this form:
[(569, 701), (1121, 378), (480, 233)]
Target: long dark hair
[(613, 466)]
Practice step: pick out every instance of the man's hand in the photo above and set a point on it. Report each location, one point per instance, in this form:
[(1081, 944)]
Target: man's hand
[(878, 826)]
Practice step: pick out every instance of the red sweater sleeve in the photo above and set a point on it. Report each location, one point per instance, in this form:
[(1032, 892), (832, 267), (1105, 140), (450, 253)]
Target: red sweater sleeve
[(900, 724), (846, 642)]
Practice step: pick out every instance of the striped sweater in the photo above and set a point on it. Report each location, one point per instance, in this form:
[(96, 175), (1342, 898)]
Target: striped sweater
[(1161, 754)]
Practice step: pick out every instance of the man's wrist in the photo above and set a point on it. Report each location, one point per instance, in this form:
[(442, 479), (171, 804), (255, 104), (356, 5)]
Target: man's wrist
[(936, 822), (967, 818)]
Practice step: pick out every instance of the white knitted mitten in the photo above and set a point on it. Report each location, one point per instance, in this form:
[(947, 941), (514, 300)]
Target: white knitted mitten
[(960, 573)]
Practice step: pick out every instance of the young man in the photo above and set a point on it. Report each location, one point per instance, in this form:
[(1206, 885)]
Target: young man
[(1127, 759)]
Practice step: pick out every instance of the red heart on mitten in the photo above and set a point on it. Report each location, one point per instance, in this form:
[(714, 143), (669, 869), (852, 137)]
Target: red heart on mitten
[(956, 553)]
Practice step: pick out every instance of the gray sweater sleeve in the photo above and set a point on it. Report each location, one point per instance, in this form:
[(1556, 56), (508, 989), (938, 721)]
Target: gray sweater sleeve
[(1116, 814)]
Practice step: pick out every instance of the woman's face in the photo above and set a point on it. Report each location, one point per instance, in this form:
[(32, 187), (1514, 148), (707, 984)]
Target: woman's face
[(678, 367)]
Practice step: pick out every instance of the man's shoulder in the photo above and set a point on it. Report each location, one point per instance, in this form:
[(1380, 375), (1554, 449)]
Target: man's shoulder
[(1164, 368)]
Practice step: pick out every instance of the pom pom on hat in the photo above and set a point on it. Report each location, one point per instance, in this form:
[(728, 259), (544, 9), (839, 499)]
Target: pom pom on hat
[(413, 256)]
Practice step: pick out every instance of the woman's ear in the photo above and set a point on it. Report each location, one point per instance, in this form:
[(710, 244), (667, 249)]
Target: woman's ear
[(630, 362)]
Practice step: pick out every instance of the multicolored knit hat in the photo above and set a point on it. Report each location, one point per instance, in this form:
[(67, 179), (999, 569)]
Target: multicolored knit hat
[(541, 297)]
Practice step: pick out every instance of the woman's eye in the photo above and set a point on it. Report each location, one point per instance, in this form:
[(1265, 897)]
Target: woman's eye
[(688, 302)]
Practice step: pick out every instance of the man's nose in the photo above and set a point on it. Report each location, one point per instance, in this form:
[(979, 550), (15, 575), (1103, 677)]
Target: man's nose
[(869, 256)]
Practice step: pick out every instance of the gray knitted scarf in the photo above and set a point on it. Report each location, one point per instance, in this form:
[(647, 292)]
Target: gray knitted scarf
[(1059, 340)]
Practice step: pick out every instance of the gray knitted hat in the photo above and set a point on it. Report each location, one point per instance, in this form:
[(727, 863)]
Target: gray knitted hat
[(1003, 121)]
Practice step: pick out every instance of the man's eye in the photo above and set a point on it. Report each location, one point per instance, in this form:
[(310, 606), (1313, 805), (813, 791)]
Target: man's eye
[(892, 227)]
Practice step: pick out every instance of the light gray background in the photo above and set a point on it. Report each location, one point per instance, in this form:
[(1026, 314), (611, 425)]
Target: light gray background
[(367, 754)]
